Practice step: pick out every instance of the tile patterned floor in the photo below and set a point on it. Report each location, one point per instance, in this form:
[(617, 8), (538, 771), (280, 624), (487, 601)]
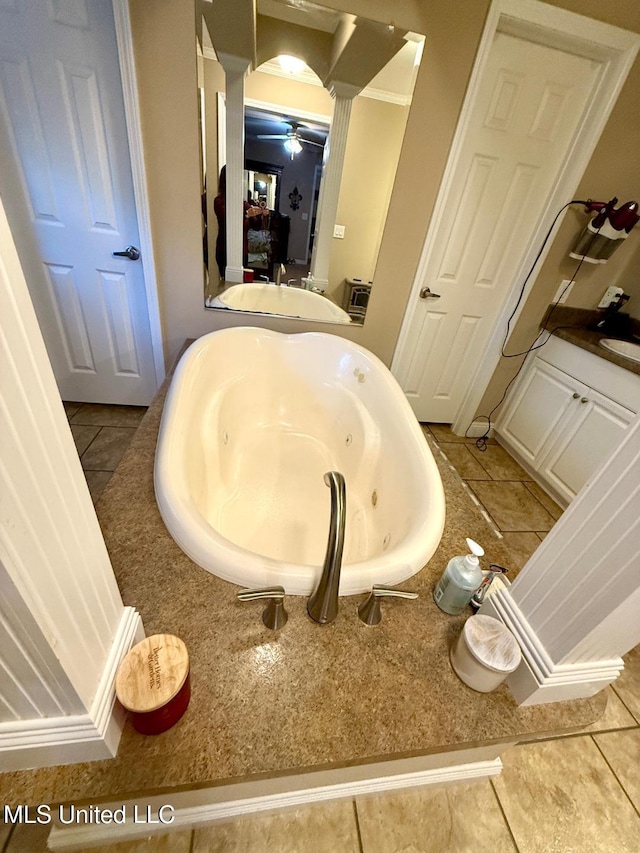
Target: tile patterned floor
[(102, 434), (519, 507), (577, 794)]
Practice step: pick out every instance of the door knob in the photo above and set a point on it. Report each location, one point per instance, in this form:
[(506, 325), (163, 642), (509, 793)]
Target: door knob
[(426, 293), (130, 252)]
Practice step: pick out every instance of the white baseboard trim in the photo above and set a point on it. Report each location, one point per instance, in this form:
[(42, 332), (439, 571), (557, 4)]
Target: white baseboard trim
[(538, 680), (190, 809), (477, 428), (92, 736)]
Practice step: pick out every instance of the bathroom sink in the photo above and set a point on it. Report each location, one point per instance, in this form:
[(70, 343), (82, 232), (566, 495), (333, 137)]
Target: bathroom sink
[(626, 349)]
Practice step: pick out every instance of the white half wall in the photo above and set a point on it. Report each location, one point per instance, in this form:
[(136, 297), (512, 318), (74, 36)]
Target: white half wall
[(62, 613)]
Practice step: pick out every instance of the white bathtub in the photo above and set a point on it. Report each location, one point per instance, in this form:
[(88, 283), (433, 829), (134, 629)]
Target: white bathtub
[(290, 301), (252, 421)]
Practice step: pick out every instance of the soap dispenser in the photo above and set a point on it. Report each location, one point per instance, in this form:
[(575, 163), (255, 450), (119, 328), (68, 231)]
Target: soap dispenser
[(459, 581)]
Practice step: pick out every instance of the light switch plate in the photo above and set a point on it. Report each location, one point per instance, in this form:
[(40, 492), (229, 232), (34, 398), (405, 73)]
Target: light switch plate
[(338, 231)]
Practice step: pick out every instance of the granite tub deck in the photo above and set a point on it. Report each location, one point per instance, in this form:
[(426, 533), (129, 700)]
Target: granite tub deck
[(308, 697)]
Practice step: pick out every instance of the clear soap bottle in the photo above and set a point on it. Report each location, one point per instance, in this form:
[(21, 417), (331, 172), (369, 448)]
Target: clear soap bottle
[(459, 581)]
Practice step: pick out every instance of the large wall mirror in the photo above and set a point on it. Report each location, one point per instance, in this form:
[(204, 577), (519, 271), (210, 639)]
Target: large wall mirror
[(296, 167)]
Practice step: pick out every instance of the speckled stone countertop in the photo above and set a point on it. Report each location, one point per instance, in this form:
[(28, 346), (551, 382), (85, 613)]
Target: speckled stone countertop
[(308, 697), (575, 330)]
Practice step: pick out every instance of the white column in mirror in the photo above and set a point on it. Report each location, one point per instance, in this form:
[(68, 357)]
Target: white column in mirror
[(235, 68), (574, 606), (331, 179)]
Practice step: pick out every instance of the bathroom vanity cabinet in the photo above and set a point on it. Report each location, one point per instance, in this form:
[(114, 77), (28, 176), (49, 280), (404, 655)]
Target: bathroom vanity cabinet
[(566, 413)]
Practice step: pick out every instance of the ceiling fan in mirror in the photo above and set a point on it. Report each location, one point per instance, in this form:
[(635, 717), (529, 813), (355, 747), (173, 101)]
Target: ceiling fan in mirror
[(292, 139)]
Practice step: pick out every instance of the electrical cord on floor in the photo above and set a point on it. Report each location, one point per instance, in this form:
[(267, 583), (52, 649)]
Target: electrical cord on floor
[(482, 441)]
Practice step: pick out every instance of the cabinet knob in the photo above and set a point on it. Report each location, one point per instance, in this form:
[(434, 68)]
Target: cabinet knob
[(575, 395), (584, 400)]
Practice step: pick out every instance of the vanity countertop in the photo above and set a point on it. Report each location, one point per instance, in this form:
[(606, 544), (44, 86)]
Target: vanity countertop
[(575, 330), (590, 340), (307, 697)]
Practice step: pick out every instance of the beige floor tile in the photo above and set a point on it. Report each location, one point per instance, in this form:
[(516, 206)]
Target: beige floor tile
[(561, 796), (458, 454), (542, 534), (70, 408), (547, 502), (512, 506), (97, 414), (29, 838), (627, 685), (456, 818), (622, 751), (521, 546), (498, 463), (169, 842), (615, 716), (97, 482), (83, 436), (107, 449), (5, 830), (322, 828), (442, 432), (33, 839)]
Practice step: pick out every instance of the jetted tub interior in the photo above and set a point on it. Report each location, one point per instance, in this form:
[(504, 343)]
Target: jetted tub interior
[(252, 422), (261, 298)]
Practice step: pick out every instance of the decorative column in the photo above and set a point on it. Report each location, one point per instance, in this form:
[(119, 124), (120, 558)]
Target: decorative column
[(235, 68), (574, 606), (332, 168)]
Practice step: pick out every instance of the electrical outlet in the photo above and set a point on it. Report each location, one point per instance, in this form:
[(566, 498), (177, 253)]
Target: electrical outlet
[(338, 231), (562, 294), (609, 296)]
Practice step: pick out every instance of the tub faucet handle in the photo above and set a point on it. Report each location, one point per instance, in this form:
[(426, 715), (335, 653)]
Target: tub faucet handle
[(370, 612), (274, 615)]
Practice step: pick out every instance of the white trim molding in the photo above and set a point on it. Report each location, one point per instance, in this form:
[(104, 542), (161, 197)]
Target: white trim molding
[(71, 738), (191, 809), (574, 606), (62, 621), (126, 59), (538, 680)]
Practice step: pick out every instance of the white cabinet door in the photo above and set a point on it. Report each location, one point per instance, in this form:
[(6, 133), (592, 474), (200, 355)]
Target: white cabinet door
[(596, 426), (544, 399)]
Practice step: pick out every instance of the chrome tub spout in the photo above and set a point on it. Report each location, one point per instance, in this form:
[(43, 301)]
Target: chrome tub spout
[(322, 606)]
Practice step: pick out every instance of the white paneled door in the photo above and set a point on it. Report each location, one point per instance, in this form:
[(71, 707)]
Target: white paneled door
[(65, 179), (523, 124)]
